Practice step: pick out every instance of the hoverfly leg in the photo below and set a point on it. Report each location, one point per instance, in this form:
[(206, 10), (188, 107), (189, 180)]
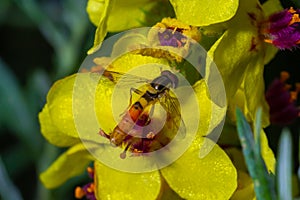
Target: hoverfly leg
[(137, 91), (150, 135), (103, 134), (123, 154), (151, 111)]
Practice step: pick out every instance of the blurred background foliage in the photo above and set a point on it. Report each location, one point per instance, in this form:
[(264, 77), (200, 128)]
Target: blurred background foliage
[(42, 41)]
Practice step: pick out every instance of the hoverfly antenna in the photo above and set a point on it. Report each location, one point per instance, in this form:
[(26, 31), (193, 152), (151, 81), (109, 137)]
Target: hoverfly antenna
[(172, 77)]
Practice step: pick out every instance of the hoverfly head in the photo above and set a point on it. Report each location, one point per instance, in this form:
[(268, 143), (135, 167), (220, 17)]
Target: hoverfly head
[(172, 78)]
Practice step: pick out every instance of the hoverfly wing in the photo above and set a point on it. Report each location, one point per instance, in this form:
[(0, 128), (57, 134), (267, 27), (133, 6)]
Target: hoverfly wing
[(126, 77), (172, 107), (115, 77)]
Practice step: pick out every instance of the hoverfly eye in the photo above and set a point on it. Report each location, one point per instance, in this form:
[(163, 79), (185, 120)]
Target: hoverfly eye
[(159, 87)]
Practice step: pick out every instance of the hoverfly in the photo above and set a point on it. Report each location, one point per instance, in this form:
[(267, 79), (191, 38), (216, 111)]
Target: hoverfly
[(133, 132)]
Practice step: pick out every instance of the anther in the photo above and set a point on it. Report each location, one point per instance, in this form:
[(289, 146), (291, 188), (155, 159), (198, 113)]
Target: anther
[(79, 193), (295, 19), (284, 75), (292, 10), (90, 170), (297, 85), (91, 188), (268, 41)]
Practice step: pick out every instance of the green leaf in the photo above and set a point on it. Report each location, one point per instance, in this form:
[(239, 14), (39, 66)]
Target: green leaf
[(15, 111), (204, 12), (284, 167), (263, 183), (8, 190), (257, 131)]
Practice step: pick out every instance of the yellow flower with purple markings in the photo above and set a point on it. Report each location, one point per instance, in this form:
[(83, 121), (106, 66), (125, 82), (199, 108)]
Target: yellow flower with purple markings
[(189, 177)]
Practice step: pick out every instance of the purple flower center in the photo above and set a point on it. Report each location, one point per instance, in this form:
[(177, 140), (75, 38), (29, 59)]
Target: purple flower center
[(284, 29), (282, 102), (172, 38)]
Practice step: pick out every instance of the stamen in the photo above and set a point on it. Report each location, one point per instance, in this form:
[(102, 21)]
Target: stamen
[(294, 94), (88, 189), (297, 85), (79, 193), (268, 41), (287, 87), (292, 10), (295, 19), (174, 30), (90, 170), (91, 188), (284, 75)]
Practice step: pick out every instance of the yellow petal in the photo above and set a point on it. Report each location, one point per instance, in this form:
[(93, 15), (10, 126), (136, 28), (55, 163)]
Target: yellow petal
[(51, 132), (71, 163), (238, 46), (245, 188), (211, 177), (237, 158), (76, 105), (267, 153), (92, 105), (131, 61), (211, 114), (271, 6), (59, 107), (113, 184), (255, 90), (95, 10), (129, 14), (205, 12), (120, 15), (99, 12)]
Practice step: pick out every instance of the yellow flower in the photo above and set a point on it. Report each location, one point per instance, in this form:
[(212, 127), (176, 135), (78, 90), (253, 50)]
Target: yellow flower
[(120, 15), (191, 177), (241, 53)]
